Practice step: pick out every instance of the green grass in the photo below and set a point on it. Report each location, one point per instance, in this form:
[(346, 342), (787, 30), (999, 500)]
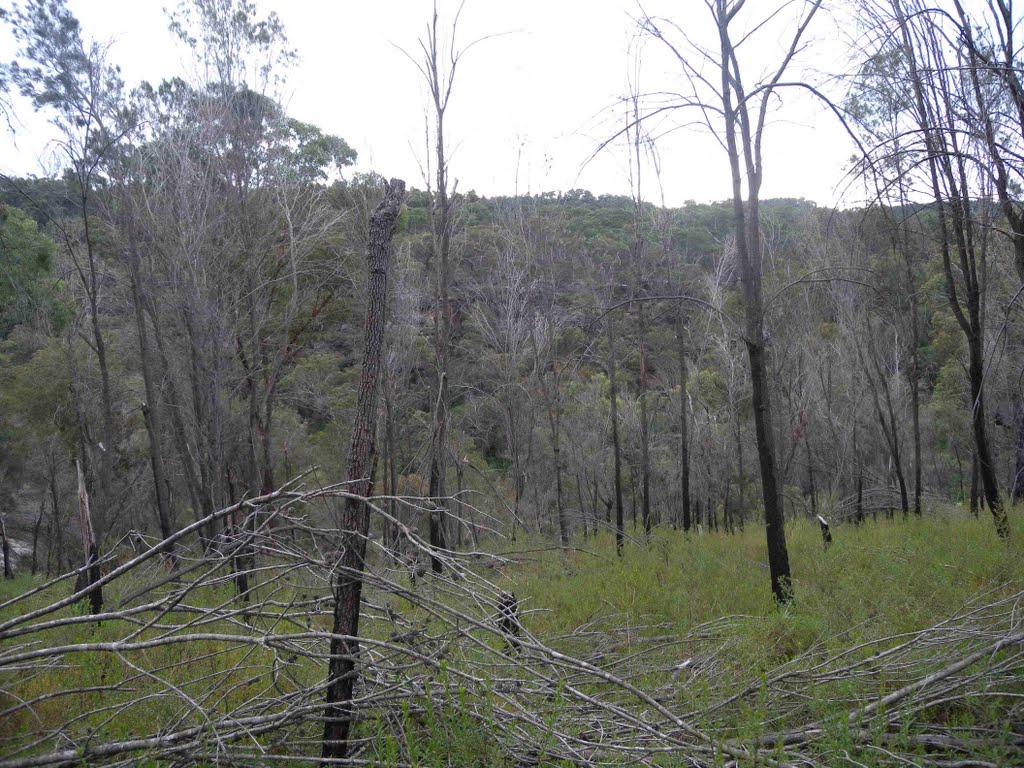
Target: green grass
[(877, 581)]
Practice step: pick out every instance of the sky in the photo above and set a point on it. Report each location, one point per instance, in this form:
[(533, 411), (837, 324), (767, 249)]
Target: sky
[(534, 98)]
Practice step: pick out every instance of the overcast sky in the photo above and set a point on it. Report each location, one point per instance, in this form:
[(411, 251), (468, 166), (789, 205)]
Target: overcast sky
[(530, 106)]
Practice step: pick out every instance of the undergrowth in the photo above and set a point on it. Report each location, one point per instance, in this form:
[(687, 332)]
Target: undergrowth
[(876, 583)]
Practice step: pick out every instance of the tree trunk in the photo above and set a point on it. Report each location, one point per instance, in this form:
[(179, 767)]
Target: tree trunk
[(747, 225), (90, 576), (392, 461), (684, 436), (914, 375), (957, 233), (5, 548), (583, 508), (1017, 489), (974, 484), (645, 446), (810, 475), (616, 458), (151, 409), (886, 419), (35, 532), (355, 522)]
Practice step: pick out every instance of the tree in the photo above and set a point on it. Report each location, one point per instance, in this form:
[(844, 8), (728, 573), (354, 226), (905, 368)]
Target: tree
[(743, 114), (439, 76), (83, 95), (26, 270), (355, 521), (930, 61)]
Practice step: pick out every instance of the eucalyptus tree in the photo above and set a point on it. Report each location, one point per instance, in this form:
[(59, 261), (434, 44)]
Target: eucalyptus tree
[(243, 229), (950, 166), (736, 111), (83, 96), (997, 106), (437, 65)]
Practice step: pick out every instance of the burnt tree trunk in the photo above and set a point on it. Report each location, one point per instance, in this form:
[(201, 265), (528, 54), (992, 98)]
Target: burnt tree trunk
[(355, 522), (90, 576), (35, 533), (959, 235), (152, 411), (684, 436), (743, 133), (915, 376), (645, 438), (5, 547), (1017, 489), (616, 457)]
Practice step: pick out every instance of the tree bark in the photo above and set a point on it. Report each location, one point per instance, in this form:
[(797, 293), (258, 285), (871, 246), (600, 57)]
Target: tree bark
[(5, 548), (957, 234), (152, 411), (645, 442), (1017, 488), (355, 522), (92, 575), (684, 436), (616, 457), (740, 127)]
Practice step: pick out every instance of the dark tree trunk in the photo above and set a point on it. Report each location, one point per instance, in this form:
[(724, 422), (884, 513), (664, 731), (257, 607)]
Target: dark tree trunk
[(632, 495), (887, 418), (645, 439), (355, 522), (35, 532), (974, 484), (5, 548), (616, 458), (553, 405), (58, 526), (959, 235), (810, 475), (392, 460), (200, 500), (747, 226), (684, 437), (92, 575), (152, 410), (583, 508), (914, 375), (442, 224), (1017, 489)]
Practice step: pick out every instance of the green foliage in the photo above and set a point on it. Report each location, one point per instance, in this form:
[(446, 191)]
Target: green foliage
[(34, 400), (26, 266)]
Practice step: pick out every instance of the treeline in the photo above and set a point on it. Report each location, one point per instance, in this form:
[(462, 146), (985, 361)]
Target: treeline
[(180, 317)]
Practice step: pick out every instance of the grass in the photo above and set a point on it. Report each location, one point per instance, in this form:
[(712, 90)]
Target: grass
[(883, 578), (877, 582)]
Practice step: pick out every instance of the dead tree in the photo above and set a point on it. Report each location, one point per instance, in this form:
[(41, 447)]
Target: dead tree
[(90, 573), (355, 522), (508, 620), (613, 394), (5, 546)]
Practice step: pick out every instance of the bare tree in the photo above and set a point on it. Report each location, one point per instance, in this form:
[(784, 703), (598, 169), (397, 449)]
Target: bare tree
[(930, 61), (355, 520), (439, 76), (738, 114)]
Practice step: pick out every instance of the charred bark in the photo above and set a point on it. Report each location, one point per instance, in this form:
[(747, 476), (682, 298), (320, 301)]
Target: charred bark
[(616, 455), (355, 522), (684, 437)]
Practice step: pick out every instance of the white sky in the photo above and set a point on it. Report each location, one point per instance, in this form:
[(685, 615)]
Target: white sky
[(528, 109)]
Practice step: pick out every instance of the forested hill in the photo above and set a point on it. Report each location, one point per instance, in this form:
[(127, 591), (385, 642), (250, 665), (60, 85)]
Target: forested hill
[(251, 348)]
